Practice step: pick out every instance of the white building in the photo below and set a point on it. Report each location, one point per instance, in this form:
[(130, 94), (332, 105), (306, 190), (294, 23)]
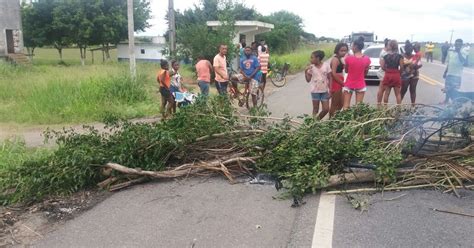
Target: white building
[(245, 29), (11, 40), (144, 51)]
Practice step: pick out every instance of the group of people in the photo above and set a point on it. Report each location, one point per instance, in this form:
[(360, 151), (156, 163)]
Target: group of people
[(331, 90)]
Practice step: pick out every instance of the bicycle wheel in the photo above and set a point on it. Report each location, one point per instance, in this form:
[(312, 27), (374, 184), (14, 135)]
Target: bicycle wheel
[(278, 79)]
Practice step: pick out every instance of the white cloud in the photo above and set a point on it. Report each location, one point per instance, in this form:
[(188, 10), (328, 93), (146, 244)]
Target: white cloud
[(425, 20)]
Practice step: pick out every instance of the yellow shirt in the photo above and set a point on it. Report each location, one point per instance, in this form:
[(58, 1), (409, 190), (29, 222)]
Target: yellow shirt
[(429, 48)]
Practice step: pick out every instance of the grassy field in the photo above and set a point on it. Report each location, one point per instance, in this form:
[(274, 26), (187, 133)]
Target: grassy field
[(47, 94), (71, 56), (53, 93), (299, 59)]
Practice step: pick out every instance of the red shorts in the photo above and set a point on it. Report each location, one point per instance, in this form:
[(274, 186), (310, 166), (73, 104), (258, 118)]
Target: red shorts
[(392, 78), (335, 86)]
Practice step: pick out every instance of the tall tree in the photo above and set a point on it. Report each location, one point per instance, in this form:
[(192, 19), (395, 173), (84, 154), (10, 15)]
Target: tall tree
[(286, 35)]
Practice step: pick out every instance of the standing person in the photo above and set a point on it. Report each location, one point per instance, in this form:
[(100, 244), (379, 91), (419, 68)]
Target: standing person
[(254, 47), (262, 44), (413, 61), (250, 70), (429, 51), (393, 64), (381, 72), (203, 71), (242, 50), (318, 74), (164, 80), (264, 59), (444, 52), (453, 73), (220, 68), (466, 50), (337, 73), (357, 66)]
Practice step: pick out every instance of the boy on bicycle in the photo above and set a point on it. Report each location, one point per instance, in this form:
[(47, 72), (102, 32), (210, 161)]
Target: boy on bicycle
[(250, 73)]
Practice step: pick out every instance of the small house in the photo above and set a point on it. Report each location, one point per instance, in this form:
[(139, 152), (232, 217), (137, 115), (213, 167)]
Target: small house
[(146, 51), (11, 39)]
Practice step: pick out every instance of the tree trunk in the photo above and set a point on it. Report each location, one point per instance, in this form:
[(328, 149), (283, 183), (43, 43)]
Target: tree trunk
[(60, 50), (107, 52), (83, 55)]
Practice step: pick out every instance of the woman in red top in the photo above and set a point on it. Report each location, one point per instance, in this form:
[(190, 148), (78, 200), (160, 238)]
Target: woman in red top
[(357, 66), (337, 69), (392, 64), (164, 80)]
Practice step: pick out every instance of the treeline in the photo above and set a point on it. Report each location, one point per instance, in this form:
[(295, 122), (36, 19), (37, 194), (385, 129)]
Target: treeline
[(80, 23), (195, 38)]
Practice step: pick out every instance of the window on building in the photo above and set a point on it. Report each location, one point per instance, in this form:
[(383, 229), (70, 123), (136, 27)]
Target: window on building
[(142, 51)]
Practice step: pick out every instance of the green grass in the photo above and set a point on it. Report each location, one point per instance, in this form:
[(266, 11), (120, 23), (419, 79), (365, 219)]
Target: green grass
[(71, 56), (47, 94), (300, 58), (13, 152)]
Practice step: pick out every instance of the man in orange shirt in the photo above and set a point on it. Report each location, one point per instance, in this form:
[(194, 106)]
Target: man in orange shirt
[(220, 67)]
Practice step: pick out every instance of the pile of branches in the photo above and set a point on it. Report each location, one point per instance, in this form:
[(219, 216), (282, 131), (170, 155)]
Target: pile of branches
[(392, 147)]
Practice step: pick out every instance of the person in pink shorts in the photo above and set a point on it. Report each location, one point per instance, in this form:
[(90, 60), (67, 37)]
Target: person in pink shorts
[(357, 66)]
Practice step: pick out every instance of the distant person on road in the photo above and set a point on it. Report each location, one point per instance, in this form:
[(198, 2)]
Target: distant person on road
[(416, 65), (357, 66), (203, 71), (164, 80), (264, 59), (444, 52), (429, 51), (454, 69), (220, 68), (381, 72), (337, 73), (392, 63), (466, 50), (318, 74), (250, 70)]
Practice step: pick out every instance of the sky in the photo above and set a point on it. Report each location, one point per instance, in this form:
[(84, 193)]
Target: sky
[(401, 19)]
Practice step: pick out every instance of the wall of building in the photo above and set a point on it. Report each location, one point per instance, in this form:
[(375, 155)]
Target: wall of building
[(147, 52), (10, 18)]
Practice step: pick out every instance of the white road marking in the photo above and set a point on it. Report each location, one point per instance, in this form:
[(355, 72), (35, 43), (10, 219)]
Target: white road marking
[(323, 229)]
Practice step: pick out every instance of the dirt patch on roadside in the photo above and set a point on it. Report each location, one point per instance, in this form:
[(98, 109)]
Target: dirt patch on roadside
[(21, 226)]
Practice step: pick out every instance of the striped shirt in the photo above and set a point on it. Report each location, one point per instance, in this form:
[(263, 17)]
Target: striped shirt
[(263, 58)]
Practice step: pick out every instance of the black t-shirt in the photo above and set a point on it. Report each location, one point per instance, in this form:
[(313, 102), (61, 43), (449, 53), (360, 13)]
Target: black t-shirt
[(392, 60)]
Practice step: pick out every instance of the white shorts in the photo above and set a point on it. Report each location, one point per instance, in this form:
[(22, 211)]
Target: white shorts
[(351, 90)]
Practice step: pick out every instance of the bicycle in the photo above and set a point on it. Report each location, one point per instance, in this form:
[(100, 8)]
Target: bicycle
[(278, 76), (245, 96)]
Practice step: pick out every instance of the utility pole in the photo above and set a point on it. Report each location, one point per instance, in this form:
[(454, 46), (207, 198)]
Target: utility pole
[(451, 39), (172, 27), (131, 40), (411, 38)]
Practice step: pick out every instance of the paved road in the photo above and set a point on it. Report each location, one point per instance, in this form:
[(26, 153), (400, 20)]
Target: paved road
[(213, 213)]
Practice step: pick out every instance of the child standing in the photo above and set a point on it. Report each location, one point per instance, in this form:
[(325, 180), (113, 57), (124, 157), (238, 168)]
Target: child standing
[(318, 74), (164, 80)]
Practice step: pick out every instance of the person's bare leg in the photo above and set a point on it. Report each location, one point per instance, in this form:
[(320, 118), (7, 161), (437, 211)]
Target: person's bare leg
[(360, 97), (315, 108), (380, 94), (413, 85), (387, 91), (337, 101), (325, 109), (163, 107), (347, 100), (398, 94), (404, 90), (254, 100)]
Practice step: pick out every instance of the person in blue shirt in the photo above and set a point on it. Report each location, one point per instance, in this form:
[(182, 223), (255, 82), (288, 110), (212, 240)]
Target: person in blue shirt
[(250, 70)]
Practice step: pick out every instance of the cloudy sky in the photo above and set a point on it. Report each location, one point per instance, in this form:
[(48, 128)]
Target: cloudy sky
[(425, 20)]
